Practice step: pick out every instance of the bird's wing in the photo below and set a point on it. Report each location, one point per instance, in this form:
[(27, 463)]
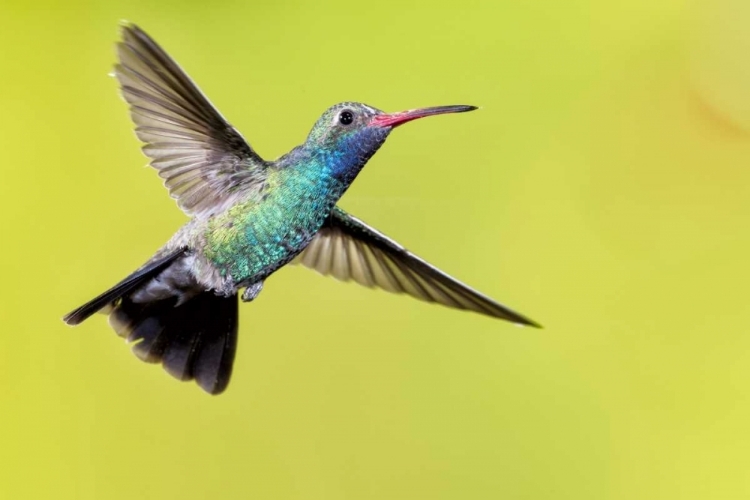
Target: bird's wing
[(204, 161), (348, 249)]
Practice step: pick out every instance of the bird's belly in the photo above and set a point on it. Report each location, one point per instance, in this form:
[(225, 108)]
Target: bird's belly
[(245, 248)]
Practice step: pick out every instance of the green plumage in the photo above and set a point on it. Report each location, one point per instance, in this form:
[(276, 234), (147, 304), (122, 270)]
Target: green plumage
[(253, 238)]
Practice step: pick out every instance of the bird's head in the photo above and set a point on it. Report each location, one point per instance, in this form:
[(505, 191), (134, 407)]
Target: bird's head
[(349, 133)]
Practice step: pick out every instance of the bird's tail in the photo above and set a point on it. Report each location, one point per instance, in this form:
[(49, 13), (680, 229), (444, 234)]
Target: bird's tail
[(193, 339)]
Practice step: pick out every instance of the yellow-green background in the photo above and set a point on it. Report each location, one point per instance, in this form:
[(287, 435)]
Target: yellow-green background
[(602, 190)]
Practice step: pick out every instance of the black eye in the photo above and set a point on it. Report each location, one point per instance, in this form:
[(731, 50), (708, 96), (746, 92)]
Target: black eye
[(346, 117)]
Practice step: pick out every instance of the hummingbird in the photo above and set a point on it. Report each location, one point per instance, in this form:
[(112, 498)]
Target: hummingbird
[(249, 218)]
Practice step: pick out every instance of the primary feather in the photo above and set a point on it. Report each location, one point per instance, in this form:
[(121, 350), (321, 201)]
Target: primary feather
[(205, 163), (348, 249)]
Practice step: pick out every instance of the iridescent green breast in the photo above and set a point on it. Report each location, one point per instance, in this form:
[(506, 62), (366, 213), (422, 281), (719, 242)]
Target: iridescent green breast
[(253, 238)]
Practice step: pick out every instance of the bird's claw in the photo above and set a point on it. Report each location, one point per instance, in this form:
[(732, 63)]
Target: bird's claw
[(252, 291)]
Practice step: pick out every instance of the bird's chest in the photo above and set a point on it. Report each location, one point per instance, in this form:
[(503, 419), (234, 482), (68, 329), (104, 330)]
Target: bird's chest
[(252, 240)]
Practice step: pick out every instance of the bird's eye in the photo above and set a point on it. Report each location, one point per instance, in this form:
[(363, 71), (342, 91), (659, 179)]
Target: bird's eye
[(346, 117)]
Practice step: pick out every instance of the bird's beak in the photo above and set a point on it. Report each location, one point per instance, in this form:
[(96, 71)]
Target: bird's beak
[(396, 119)]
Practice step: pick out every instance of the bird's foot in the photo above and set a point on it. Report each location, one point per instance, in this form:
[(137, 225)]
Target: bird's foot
[(252, 291)]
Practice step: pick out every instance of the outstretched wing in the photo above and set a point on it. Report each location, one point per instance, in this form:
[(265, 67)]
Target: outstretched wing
[(348, 249), (204, 161)]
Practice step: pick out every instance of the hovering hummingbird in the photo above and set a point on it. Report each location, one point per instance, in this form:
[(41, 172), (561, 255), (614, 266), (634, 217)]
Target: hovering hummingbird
[(250, 217)]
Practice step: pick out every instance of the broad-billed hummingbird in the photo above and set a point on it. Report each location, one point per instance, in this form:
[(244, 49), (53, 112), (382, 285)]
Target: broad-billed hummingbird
[(250, 217)]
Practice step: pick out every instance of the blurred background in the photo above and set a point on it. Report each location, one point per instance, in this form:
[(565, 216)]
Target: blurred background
[(602, 190)]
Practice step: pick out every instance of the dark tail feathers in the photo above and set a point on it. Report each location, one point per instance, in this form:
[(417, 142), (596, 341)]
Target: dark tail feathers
[(192, 340)]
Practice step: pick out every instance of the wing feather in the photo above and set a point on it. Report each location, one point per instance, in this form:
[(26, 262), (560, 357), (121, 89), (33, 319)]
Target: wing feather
[(204, 161), (348, 249)]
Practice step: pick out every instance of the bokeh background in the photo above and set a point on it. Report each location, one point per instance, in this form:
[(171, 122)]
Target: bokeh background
[(602, 190)]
